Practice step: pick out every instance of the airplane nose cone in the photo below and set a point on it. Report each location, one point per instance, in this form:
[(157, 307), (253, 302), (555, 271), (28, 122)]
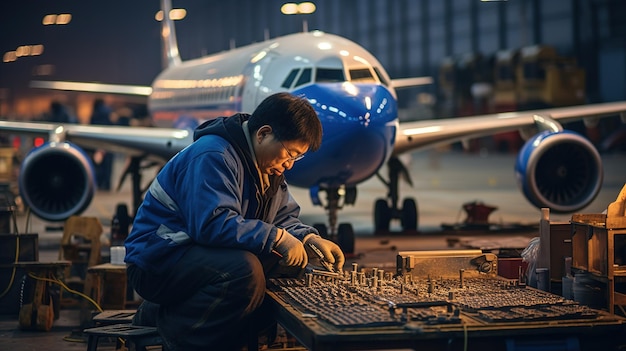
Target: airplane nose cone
[(359, 123), (347, 103)]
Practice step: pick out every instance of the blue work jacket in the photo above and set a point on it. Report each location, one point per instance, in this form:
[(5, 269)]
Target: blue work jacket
[(210, 194)]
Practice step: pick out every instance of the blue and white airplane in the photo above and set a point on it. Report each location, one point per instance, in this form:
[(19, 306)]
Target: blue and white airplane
[(356, 102)]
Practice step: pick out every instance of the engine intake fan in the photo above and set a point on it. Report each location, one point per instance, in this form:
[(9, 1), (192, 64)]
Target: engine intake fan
[(559, 170), (57, 180)]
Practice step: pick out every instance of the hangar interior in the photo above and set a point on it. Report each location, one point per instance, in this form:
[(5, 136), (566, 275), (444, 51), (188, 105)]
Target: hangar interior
[(517, 55)]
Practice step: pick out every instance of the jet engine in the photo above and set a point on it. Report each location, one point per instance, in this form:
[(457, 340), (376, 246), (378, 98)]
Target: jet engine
[(56, 181), (560, 170)]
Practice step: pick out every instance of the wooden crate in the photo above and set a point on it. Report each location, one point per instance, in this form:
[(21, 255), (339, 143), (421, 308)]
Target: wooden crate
[(599, 248)]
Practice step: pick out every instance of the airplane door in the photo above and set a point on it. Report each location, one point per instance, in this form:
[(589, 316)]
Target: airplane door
[(257, 85)]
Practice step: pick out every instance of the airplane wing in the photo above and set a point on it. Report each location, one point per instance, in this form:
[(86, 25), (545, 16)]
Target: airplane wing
[(556, 168), (68, 175), (139, 90), (160, 142), (400, 83), (424, 134)]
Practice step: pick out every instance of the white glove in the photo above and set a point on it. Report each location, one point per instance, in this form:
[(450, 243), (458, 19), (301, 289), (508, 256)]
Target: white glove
[(291, 249), (331, 253)]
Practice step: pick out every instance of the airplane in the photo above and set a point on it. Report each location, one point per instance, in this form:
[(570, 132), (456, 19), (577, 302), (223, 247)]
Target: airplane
[(356, 102)]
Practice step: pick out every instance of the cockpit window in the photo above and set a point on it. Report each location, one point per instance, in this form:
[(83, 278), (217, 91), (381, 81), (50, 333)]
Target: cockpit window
[(329, 75), (361, 75), (304, 78), (289, 80), (381, 77)]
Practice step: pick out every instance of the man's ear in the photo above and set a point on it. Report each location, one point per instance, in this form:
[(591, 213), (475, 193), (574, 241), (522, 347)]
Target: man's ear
[(262, 132)]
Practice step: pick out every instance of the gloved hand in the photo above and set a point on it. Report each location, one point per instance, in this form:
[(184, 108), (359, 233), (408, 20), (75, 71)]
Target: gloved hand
[(291, 249), (332, 252)]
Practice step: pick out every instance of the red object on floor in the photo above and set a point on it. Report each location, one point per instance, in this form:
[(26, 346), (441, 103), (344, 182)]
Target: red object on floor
[(477, 212)]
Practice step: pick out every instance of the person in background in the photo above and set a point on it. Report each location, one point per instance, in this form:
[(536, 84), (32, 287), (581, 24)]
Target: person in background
[(123, 116), (103, 160), (59, 114), (215, 212)]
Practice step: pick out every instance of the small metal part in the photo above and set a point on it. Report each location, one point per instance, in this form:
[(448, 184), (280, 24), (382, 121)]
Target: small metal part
[(361, 278)]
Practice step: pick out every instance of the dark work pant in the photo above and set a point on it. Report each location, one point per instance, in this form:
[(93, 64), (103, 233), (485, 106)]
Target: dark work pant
[(206, 300)]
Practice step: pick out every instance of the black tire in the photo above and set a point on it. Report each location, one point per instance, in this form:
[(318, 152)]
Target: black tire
[(322, 229), (350, 197), (382, 217), (408, 215), (345, 238)]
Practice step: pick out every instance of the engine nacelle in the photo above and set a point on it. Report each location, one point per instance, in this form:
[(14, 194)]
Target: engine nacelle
[(57, 180), (559, 170)]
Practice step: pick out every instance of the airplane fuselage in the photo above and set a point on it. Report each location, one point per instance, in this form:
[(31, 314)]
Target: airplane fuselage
[(346, 85)]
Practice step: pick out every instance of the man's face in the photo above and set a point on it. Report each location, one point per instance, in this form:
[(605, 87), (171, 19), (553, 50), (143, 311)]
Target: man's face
[(273, 156)]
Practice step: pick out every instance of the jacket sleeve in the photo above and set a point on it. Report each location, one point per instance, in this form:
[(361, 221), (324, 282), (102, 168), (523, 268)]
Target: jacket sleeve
[(209, 188)]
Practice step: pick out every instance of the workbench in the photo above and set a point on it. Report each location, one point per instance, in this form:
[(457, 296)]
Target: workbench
[(318, 335), (383, 310)]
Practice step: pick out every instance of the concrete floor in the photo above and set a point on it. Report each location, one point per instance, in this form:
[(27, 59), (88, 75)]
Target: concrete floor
[(442, 182)]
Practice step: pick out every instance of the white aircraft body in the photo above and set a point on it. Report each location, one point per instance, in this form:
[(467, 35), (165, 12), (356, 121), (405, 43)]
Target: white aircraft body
[(356, 102)]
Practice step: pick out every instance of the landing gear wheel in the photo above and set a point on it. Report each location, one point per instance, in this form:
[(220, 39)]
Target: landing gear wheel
[(408, 215), (345, 238), (350, 196), (382, 216)]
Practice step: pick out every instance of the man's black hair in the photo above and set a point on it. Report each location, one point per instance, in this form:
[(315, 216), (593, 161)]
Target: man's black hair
[(291, 118)]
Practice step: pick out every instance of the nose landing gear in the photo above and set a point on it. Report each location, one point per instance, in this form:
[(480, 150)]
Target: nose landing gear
[(336, 198)]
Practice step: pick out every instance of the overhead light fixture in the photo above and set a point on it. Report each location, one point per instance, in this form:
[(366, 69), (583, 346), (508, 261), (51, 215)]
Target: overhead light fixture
[(60, 19), (175, 15), (302, 8)]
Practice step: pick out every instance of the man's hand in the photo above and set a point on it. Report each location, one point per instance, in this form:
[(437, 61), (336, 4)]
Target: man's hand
[(331, 253), (291, 249)]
